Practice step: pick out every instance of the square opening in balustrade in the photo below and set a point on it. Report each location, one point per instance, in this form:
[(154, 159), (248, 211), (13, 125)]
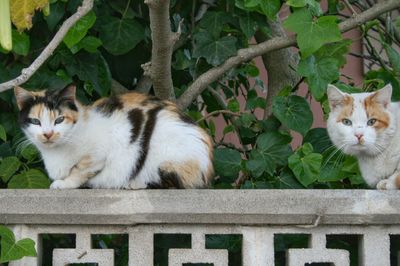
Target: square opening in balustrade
[(49, 242), (83, 264), (118, 242), (164, 242), (394, 250), (283, 242)]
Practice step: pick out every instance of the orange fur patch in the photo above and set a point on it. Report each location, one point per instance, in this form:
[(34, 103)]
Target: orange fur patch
[(347, 108), (397, 181), (189, 172), (376, 110)]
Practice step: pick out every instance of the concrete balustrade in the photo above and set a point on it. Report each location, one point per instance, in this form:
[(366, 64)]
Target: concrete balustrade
[(256, 215)]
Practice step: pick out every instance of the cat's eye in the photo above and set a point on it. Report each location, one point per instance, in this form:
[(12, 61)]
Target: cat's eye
[(34, 121), (371, 122), (346, 122), (59, 120)]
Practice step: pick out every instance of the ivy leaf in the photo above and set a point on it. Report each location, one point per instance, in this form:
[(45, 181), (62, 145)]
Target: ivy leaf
[(319, 73), (267, 7), (22, 12), (234, 106), (272, 149), (227, 162), (287, 180), (21, 43), (214, 50), (336, 50), (248, 25), (253, 101), (122, 8), (11, 250), (294, 112), (91, 68), (8, 167), (57, 11), (313, 5), (214, 22), (89, 44), (119, 36), (270, 8), (394, 57), (32, 178), (319, 139), (398, 23), (80, 29), (257, 165), (312, 34), (30, 152), (305, 164), (3, 134)]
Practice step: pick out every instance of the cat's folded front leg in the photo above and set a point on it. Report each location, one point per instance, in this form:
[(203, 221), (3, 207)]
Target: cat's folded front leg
[(391, 183), (85, 169)]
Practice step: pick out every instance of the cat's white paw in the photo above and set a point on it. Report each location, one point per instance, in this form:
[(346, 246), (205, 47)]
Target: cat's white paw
[(60, 184), (382, 185)]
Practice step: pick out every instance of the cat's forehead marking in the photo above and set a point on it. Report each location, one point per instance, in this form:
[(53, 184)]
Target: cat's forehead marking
[(347, 108), (377, 111)]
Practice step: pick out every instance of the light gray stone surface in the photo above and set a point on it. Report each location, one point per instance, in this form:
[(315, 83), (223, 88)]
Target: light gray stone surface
[(268, 207)]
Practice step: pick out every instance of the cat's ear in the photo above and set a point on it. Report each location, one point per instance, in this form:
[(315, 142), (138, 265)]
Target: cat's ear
[(384, 95), (22, 96), (335, 96), (67, 94)]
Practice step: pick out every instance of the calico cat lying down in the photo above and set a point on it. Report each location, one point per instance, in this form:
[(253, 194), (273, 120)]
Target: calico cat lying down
[(366, 125), (130, 141)]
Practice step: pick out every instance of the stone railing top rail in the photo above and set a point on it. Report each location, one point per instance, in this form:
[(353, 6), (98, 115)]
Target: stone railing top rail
[(246, 207)]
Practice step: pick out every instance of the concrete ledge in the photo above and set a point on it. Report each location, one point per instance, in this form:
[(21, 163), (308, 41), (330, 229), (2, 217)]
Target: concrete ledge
[(246, 207)]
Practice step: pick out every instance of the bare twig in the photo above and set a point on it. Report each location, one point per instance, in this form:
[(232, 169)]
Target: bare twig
[(350, 7), (276, 43), (26, 73), (163, 41), (217, 112)]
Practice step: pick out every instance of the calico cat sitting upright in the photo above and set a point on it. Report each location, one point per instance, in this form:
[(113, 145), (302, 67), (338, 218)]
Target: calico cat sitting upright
[(366, 125), (129, 141)]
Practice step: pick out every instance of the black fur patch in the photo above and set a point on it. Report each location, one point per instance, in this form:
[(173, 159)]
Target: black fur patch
[(136, 118), (145, 141), (110, 105), (151, 99), (168, 180)]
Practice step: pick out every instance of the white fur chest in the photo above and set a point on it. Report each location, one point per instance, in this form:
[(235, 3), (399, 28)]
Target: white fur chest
[(59, 162)]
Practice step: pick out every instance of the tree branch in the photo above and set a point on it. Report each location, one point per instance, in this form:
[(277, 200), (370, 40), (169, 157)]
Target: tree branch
[(163, 41), (26, 73), (276, 43), (277, 64)]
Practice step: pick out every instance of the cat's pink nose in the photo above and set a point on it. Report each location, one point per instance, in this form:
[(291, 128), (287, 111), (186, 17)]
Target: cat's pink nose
[(359, 136), (48, 135)]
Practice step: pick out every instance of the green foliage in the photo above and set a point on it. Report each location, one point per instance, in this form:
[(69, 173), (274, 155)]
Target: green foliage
[(215, 50), (119, 36), (11, 250), (305, 164), (80, 29), (294, 112), (227, 162), (312, 32)]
